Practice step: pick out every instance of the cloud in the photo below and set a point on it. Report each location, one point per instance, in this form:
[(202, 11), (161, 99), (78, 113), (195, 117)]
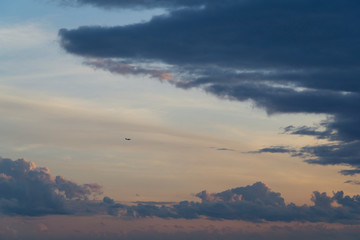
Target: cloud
[(309, 131), (108, 200), (252, 203), (284, 56), (26, 189), (256, 192), (344, 153), (275, 149), (20, 37), (353, 182), (124, 68), (73, 190), (138, 3), (223, 149), (261, 39)]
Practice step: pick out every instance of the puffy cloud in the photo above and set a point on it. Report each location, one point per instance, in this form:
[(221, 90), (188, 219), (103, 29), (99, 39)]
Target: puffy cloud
[(73, 190), (26, 189), (284, 56), (254, 203), (112, 208), (321, 200), (258, 192), (108, 200)]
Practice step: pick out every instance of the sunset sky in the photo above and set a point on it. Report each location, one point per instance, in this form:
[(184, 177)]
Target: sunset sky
[(243, 117)]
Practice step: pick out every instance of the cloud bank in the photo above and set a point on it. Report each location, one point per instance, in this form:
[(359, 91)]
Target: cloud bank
[(26, 189), (284, 56), (253, 203)]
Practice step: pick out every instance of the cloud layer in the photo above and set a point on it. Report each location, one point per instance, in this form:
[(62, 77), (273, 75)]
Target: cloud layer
[(254, 203), (284, 56), (26, 189)]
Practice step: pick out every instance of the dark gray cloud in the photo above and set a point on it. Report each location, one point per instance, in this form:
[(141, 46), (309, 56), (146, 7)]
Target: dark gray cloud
[(108, 200), (335, 154), (111, 207), (289, 37), (26, 189), (355, 182), (258, 192), (154, 203), (296, 56), (124, 68), (224, 149), (343, 153), (310, 131), (254, 203), (275, 149)]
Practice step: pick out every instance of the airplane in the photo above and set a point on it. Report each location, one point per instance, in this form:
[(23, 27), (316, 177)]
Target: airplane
[(127, 139)]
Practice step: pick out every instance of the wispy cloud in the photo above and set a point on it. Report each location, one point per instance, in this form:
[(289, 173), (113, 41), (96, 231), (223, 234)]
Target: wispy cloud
[(137, 3), (353, 182), (124, 68), (274, 149), (22, 36)]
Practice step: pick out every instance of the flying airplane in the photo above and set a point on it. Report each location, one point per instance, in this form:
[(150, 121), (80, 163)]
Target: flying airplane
[(127, 139)]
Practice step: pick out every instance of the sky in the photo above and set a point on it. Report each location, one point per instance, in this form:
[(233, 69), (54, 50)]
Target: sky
[(243, 118)]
